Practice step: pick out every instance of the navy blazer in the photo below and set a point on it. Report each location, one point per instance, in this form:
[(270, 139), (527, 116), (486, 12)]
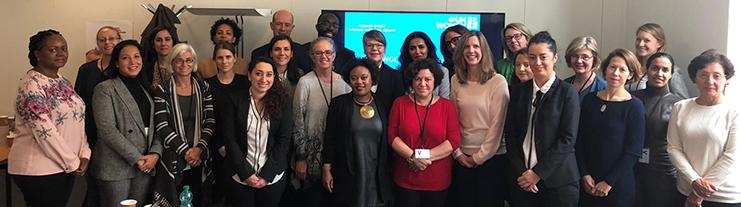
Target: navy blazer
[(234, 129), (556, 127)]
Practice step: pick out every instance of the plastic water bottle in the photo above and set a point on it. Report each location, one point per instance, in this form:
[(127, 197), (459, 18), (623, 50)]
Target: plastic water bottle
[(186, 197)]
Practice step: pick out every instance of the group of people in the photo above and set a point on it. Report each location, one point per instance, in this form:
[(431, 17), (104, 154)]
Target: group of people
[(310, 125)]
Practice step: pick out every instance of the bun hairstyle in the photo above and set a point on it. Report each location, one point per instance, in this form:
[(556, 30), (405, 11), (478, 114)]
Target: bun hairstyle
[(544, 37)]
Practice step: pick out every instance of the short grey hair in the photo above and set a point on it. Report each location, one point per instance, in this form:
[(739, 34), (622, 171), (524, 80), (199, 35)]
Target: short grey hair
[(177, 50)]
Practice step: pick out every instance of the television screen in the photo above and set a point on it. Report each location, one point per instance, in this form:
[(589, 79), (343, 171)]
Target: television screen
[(397, 25)]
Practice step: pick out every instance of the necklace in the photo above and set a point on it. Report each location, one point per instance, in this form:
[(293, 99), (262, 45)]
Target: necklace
[(322, 88), (366, 111), (585, 82)]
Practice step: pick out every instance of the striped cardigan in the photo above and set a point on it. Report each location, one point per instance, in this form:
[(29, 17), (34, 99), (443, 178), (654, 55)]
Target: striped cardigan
[(170, 128)]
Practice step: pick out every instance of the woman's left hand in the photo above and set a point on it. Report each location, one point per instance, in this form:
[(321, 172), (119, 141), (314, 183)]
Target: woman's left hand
[(193, 156)]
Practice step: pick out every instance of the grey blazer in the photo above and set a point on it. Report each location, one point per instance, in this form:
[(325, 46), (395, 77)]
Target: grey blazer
[(122, 139)]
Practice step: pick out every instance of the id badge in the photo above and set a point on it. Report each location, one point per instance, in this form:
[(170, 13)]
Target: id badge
[(644, 155), (422, 153)]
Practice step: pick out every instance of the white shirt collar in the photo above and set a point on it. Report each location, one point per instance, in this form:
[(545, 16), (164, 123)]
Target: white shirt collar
[(546, 86)]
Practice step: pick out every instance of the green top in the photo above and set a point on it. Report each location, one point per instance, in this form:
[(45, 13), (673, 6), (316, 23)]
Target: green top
[(506, 68)]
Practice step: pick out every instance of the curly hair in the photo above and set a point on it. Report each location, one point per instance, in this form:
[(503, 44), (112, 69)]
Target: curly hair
[(418, 65), (276, 96), (36, 42), (365, 63), (236, 31)]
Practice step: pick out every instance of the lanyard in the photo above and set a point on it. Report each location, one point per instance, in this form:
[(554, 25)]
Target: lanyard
[(423, 123)]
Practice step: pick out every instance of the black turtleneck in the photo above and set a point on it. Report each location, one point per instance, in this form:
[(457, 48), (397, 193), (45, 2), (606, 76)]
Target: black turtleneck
[(136, 88), (658, 103)]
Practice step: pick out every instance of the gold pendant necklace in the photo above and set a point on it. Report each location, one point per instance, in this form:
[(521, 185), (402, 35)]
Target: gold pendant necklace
[(366, 110)]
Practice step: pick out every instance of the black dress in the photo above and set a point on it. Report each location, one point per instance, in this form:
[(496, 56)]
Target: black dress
[(359, 153)]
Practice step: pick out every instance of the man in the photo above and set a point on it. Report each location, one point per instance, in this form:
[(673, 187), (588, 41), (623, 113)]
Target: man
[(327, 25), (223, 30), (282, 23)]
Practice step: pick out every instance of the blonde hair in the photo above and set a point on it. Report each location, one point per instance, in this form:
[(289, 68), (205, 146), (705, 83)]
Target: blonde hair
[(178, 50), (583, 43), (656, 31), (520, 27), (487, 63)]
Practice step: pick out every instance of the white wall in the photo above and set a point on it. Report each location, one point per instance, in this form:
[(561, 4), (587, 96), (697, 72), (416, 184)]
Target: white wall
[(692, 26)]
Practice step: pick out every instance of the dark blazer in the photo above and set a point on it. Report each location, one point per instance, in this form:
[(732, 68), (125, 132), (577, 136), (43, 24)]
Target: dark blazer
[(298, 52), (556, 126), (337, 150), (390, 86), (234, 128), (123, 140)]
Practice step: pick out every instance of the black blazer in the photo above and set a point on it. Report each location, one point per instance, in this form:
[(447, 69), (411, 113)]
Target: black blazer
[(389, 87), (234, 125), (556, 126), (337, 150)]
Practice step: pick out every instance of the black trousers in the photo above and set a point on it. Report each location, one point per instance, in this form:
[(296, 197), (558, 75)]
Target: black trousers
[(192, 178), (483, 186), (45, 191), (414, 198), (562, 196), (656, 189), (269, 196)]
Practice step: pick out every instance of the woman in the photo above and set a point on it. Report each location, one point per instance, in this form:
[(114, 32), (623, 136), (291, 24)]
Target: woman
[(89, 75), (314, 93), (390, 84), (611, 134), (257, 129), (158, 45), (703, 137), (125, 158), (481, 96), (225, 82), (185, 122), (522, 67), (357, 168), (582, 57), (288, 71), (449, 39), (92, 73), (419, 46), (227, 31), (656, 177), (50, 146), (516, 37), (543, 172), (650, 39), (423, 131)]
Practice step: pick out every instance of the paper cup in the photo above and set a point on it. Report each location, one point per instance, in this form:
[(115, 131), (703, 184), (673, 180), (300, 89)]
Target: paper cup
[(128, 203)]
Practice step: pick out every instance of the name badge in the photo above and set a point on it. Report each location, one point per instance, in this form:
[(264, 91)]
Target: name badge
[(644, 155), (422, 153)]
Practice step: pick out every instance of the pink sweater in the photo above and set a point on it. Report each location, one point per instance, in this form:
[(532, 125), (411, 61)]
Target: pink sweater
[(482, 109), (50, 125)]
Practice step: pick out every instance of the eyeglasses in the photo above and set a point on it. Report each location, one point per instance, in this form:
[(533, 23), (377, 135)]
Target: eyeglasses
[(581, 57), (180, 61), (514, 37), (378, 45), (104, 40), (328, 53), (453, 40)]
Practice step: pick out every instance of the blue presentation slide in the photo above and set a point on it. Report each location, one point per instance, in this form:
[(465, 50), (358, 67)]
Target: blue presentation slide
[(396, 27)]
